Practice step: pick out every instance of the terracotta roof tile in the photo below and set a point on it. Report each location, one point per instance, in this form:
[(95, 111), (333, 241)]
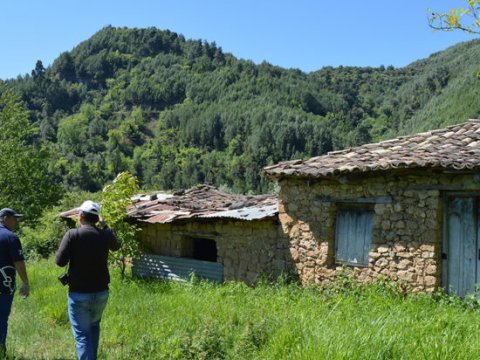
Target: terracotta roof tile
[(455, 147)]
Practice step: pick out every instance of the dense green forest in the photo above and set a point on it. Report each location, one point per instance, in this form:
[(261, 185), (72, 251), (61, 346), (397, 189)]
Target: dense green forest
[(177, 112)]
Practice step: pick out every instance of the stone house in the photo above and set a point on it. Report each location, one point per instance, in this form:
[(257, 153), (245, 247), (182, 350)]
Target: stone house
[(406, 209), (213, 234)]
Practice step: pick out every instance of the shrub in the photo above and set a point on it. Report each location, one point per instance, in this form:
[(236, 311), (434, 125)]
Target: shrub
[(42, 240)]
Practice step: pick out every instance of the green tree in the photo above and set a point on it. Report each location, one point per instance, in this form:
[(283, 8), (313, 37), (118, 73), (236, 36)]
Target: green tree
[(64, 67), (39, 70), (25, 183), (116, 198)]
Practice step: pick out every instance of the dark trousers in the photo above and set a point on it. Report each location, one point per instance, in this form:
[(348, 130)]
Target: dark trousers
[(5, 307)]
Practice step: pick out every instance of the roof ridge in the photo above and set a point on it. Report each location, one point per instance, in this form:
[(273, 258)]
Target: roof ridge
[(453, 146)]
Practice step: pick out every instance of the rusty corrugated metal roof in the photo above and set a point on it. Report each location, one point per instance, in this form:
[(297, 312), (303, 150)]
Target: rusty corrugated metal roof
[(202, 201), (250, 213), (456, 147)]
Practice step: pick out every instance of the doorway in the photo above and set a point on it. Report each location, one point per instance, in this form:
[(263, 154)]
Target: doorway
[(461, 256)]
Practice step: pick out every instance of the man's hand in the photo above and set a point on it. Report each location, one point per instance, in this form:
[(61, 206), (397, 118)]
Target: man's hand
[(24, 290), (22, 271)]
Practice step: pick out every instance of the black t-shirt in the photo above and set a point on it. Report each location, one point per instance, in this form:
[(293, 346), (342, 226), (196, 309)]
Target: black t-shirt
[(10, 252), (86, 251)]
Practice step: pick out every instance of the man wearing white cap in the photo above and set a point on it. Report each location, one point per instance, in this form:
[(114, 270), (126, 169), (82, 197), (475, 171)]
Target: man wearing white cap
[(85, 249), (11, 261)]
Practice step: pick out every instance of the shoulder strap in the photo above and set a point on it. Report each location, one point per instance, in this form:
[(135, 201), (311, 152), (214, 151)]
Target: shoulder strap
[(76, 237)]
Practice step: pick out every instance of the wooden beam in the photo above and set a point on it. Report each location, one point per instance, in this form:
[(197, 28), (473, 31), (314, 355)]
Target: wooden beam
[(201, 234), (373, 200)]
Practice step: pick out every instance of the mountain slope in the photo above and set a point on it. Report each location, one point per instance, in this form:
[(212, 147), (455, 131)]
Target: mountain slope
[(177, 112), (459, 98)]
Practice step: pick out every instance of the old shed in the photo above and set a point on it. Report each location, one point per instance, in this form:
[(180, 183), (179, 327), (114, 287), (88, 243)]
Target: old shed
[(211, 233), (406, 208)]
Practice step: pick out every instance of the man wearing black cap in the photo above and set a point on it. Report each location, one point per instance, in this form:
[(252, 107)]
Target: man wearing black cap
[(86, 251), (11, 261)]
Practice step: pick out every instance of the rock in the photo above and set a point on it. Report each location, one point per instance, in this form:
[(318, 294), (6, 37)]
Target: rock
[(406, 276), (381, 263), (285, 219), (431, 269), (379, 209), (294, 253), (382, 249), (428, 254), (386, 225), (399, 248), (385, 272), (425, 247), (309, 274), (430, 281), (404, 264)]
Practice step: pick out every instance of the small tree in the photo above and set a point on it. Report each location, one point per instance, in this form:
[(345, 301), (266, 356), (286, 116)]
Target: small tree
[(463, 18), (116, 197)]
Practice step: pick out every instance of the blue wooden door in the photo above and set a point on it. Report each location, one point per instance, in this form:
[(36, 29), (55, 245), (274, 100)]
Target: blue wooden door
[(462, 262)]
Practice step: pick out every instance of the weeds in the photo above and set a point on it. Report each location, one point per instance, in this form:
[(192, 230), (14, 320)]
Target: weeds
[(165, 320), (205, 343)]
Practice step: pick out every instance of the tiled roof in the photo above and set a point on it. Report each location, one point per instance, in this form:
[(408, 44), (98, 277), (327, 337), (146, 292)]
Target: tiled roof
[(203, 201), (456, 147)]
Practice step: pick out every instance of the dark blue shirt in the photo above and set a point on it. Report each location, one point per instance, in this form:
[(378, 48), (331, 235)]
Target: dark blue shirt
[(10, 252)]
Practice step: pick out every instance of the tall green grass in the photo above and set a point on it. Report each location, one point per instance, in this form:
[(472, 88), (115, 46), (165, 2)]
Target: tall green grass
[(159, 320)]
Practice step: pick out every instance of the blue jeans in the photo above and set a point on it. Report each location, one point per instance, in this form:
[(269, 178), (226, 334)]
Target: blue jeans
[(5, 307), (85, 312)]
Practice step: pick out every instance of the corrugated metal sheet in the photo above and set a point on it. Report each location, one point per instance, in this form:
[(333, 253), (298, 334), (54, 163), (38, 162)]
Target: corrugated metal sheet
[(202, 201), (252, 213), (176, 268), (163, 217), (157, 196)]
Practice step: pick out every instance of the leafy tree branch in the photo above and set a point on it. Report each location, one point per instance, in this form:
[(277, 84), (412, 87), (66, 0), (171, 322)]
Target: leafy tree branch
[(116, 198), (465, 19)]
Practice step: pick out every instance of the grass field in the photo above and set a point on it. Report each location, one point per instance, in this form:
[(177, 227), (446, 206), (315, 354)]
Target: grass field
[(156, 320)]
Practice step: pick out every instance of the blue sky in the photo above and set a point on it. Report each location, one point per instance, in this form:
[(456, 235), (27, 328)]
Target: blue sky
[(304, 34)]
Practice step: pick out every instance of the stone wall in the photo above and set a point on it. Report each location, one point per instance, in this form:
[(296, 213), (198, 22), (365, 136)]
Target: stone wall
[(407, 231), (247, 249)]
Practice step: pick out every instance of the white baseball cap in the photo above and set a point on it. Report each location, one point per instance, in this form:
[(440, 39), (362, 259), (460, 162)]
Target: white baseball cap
[(90, 207)]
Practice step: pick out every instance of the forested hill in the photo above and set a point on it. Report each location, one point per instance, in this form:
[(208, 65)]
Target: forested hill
[(178, 112)]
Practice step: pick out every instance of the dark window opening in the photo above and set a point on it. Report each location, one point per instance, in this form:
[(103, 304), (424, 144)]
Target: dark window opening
[(205, 249)]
